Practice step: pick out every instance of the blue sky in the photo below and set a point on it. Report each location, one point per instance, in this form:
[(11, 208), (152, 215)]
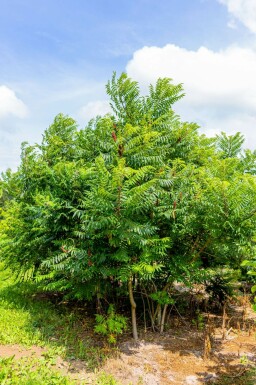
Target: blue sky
[(57, 55)]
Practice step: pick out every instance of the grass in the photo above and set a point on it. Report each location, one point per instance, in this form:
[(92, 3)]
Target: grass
[(35, 320), (106, 379), (30, 372), (248, 377), (28, 318)]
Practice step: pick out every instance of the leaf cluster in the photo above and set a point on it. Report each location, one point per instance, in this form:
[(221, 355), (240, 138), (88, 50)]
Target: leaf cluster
[(137, 195)]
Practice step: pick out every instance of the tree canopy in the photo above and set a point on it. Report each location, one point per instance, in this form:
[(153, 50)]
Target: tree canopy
[(136, 200)]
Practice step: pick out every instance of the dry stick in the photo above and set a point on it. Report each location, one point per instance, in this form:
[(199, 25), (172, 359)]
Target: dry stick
[(209, 324), (169, 314), (228, 324), (144, 314), (230, 330), (239, 374), (207, 338), (244, 312), (155, 312), (150, 311), (207, 344), (185, 323), (224, 321), (238, 326)]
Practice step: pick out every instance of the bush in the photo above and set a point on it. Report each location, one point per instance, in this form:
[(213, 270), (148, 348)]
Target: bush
[(111, 325)]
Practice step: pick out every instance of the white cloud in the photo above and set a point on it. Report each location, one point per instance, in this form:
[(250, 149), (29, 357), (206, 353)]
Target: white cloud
[(232, 24), (10, 104), (243, 10), (220, 86), (92, 109)]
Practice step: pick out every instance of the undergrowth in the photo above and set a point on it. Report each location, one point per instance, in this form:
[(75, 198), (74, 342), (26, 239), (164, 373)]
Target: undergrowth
[(246, 377), (30, 372), (37, 321), (34, 371), (28, 319)]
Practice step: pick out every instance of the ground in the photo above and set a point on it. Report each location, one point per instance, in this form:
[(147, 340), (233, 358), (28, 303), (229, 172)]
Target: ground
[(176, 357), (57, 341)]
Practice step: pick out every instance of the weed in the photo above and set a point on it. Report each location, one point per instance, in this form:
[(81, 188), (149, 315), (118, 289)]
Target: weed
[(246, 377), (140, 381), (111, 325), (30, 372), (244, 360), (106, 379), (198, 321)]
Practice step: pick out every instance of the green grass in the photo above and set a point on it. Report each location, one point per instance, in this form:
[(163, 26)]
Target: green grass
[(106, 379), (15, 318), (34, 371), (29, 318), (30, 372), (247, 377)]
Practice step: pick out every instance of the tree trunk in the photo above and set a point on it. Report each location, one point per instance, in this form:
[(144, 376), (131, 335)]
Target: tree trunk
[(163, 318), (159, 315), (133, 310)]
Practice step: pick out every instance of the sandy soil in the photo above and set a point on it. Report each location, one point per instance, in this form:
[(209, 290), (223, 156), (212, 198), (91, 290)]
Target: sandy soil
[(176, 357)]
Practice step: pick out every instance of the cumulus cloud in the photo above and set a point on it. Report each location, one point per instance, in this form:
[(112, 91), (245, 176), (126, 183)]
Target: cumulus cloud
[(92, 109), (10, 104), (243, 10), (220, 86)]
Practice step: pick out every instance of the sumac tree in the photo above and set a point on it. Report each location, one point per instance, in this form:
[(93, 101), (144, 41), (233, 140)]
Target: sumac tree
[(133, 202)]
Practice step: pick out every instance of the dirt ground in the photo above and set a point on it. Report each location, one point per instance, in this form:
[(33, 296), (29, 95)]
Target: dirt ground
[(183, 355)]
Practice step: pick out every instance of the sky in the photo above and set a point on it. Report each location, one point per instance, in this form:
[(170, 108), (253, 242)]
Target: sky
[(56, 56)]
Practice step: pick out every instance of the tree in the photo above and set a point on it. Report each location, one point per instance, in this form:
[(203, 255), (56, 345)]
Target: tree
[(132, 203)]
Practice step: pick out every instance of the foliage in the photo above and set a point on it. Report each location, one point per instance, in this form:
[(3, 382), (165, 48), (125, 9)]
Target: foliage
[(30, 372), (199, 321), (251, 270), (105, 379), (133, 202), (220, 286), (230, 145), (111, 325), (162, 298), (246, 376)]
